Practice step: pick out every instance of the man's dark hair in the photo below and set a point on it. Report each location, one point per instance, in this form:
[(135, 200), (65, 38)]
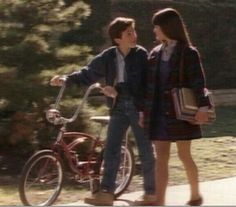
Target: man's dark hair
[(117, 26)]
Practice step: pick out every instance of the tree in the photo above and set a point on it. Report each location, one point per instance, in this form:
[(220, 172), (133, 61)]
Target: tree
[(30, 53)]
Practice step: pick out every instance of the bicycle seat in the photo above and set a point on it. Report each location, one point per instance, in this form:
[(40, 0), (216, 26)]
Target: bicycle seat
[(100, 119)]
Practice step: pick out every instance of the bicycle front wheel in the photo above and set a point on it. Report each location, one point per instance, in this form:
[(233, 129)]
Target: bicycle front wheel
[(41, 179)]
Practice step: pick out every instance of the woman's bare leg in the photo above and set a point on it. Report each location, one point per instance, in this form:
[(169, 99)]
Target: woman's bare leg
[(184, 152), (162, 149)]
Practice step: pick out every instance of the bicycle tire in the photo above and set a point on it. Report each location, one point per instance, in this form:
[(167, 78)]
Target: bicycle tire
[(120, 188), (41, 179), (125, 176)]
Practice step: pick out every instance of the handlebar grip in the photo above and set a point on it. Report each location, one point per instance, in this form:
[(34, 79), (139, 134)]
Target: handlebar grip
[(95, 85), (63, 78)]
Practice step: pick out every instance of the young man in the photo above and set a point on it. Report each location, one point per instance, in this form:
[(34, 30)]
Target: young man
[(124, 67)]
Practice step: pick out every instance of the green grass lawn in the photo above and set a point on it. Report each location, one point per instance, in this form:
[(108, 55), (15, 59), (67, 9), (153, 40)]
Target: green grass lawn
[(225, 124), (214, 154)]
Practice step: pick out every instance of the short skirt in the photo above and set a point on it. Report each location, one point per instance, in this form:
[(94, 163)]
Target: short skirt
[(160, 127), (159, 130)]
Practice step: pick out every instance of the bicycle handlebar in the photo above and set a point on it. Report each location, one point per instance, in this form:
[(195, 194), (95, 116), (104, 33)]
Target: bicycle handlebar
[(53, 115), (88, 91)]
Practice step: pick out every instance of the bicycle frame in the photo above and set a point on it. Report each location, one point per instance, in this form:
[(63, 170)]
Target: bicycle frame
[(78, 138), (53, 116)]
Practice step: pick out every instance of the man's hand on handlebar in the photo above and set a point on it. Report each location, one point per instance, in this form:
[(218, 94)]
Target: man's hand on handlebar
[(109, 91), (106, 90), (57, 81)]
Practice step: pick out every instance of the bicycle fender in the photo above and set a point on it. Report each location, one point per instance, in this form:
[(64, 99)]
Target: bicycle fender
[(38, 153)]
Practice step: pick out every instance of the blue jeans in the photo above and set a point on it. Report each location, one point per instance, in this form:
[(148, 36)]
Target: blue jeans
[(123, 115)]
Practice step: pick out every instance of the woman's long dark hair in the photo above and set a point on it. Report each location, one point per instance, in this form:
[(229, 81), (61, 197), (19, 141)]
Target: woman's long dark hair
[(172, 25)]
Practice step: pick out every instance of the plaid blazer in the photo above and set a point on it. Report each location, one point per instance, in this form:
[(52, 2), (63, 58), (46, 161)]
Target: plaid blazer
[(194, 78)]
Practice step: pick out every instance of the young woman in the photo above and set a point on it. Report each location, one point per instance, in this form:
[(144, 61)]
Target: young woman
[(162, 125)]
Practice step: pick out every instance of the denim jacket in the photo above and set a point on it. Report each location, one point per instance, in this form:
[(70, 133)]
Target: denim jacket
[(104, 66)]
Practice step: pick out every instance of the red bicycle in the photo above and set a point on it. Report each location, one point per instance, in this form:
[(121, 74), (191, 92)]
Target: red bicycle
[(73, 155)]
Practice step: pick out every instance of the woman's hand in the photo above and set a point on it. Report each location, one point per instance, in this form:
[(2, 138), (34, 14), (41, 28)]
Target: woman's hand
[(109, 91), (141, 119), (201, 117)]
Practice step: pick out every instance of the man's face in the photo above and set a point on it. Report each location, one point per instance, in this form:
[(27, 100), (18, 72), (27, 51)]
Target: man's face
[(128, 38)]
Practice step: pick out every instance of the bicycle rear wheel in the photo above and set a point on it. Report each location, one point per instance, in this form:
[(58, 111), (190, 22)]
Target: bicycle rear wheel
[(41, 179), (125, 171)]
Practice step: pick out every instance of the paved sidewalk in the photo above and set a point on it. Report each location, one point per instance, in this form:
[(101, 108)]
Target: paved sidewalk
[(218, 193)]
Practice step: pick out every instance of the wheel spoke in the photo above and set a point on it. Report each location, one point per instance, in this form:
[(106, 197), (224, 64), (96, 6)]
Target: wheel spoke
[(42, 180)]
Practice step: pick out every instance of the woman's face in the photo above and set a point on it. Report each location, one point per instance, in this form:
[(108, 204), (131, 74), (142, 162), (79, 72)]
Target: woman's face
[(159, 34)]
